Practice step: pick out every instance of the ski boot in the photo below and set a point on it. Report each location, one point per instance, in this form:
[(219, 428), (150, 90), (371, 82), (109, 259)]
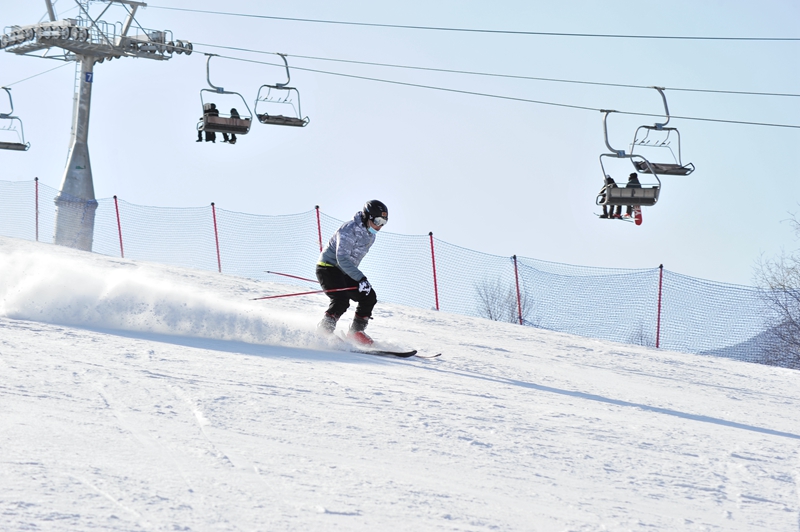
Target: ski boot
[(327, 325), (357, 333)]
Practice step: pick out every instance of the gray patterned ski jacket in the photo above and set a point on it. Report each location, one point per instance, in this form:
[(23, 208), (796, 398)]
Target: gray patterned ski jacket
[(348, 247)]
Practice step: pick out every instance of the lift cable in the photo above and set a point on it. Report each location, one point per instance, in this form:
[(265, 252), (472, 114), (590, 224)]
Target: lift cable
[(473, 93), (476, 30), (36, 75), (506, 76), (509, 98)]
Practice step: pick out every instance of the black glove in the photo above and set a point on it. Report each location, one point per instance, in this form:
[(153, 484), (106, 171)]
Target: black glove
[(364, 287)]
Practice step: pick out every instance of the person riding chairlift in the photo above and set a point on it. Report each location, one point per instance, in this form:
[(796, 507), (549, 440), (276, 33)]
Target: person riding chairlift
[(608, 211), (633, 182), (209, 109), (234, 114)]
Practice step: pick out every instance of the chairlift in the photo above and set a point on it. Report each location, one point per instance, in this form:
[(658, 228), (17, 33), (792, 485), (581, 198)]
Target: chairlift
[(222, 122), (280, 93), (12, 124), (645, 195), (660, 136)]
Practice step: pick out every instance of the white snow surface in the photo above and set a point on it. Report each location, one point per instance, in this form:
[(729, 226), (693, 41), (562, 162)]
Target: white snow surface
[(136, 396)]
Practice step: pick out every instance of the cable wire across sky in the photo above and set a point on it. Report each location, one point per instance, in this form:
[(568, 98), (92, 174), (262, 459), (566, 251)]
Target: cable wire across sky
[(505, 76), (478, 30), (475, 73), (510, 98), (484, 94), (36, 75)]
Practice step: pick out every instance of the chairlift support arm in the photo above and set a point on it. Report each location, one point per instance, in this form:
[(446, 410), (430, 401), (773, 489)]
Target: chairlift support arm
[(10, 102), (606, 112), (288, 76), (666, 108), (620, 154), (208, 73)]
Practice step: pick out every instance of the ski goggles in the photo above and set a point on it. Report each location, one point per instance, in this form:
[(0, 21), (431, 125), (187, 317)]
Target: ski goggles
[(380, 221)]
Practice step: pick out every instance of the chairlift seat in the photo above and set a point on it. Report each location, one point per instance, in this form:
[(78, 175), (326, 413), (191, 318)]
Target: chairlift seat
[(280, 120), (663, 168), (222, 124), (644, 196), (16, 146)]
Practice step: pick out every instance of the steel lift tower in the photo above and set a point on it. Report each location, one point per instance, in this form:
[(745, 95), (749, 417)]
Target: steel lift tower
[(87, 41)]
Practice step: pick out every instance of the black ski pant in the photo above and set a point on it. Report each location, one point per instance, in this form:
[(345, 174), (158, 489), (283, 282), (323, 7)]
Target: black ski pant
[(330, 278)]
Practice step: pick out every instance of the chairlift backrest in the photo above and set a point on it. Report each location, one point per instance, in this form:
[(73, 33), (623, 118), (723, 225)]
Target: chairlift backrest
[(642, 166), (645, 196)]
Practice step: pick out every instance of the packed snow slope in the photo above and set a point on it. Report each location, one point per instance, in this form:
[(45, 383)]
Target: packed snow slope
[(136, 396)]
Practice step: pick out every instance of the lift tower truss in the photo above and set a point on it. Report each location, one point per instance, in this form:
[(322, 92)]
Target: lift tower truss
[(86, 40)]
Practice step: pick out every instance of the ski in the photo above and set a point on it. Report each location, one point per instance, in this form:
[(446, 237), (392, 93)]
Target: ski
[(428, 356), (381, 352), (399, 354), (623, 219), (348, 345)]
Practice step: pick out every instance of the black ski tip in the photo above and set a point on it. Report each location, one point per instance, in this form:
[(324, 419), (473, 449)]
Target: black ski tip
[(381, 352)]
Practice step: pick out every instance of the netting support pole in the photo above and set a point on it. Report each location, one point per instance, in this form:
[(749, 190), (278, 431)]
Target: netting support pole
[(658, 323), (519, 299), (36, 181), (119, 228), (435, 282), (319, 228), (216, 236)]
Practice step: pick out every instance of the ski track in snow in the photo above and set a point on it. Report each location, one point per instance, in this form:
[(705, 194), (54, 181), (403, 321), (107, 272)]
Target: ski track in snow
[(140, 396)]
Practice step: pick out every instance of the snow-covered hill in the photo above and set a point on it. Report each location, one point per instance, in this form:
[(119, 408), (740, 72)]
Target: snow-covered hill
[(145, 397)]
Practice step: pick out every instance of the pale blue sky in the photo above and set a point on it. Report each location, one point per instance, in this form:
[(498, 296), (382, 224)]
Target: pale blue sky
[(496, 176)]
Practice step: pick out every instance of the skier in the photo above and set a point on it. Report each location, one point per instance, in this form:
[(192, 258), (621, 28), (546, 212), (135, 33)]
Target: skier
[(608, 212), (209, 109), (338, 268), (234, 114), (633, 182)]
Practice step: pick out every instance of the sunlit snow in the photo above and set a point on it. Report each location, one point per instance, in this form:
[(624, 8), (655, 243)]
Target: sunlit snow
[(136, 396)]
